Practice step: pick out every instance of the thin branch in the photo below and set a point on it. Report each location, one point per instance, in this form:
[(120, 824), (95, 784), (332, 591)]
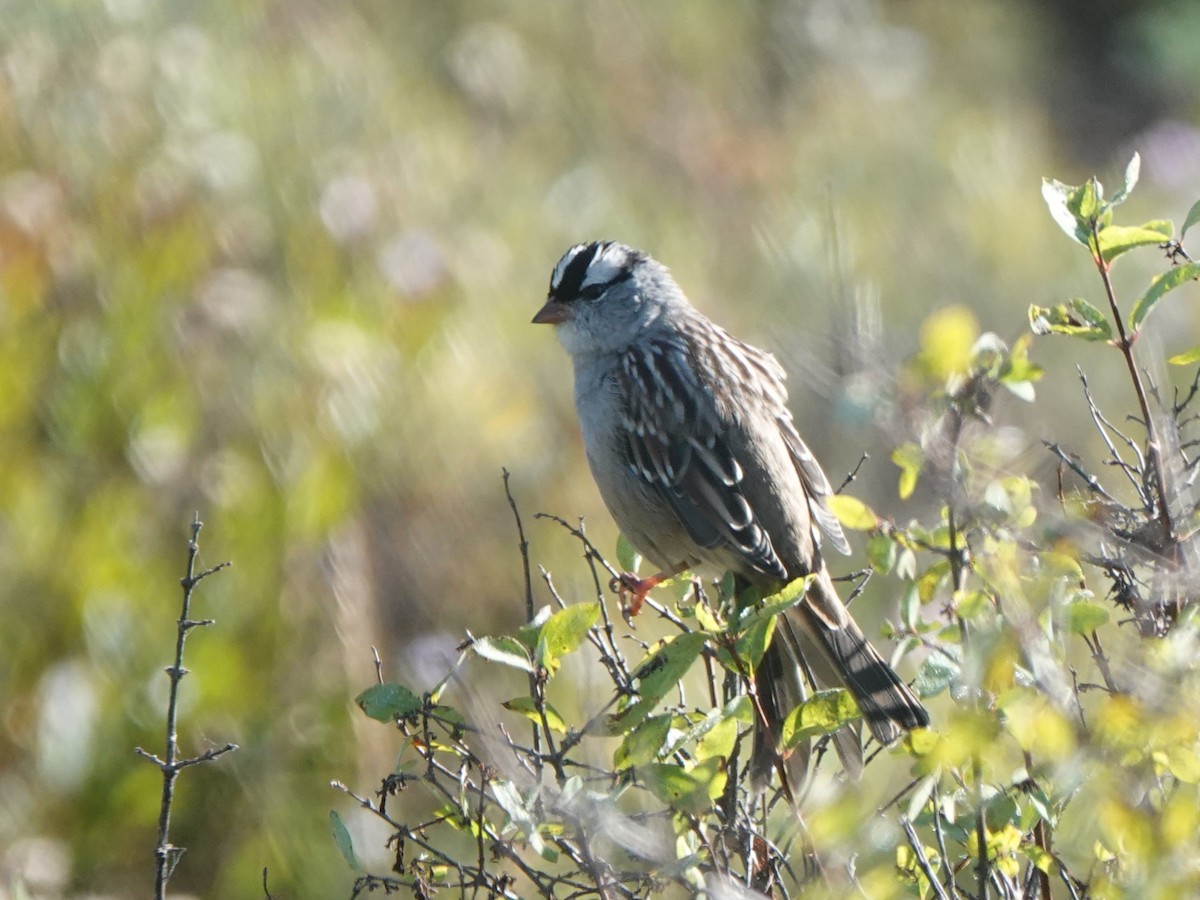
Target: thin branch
[(165, 853), (1125, 345), (922, 860)]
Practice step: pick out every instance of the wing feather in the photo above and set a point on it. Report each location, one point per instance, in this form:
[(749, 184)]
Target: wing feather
[(676, 443)]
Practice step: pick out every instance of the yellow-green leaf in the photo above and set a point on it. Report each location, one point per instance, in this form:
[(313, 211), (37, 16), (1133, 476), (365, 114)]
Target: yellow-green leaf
[(1186, 358), (1075, 318), (719, 739), (658, 673), (690, 791), (1117, 239), (1085, 616), (1160, 287), (627, 556), (822, 713), (564, 632), (852, 512), (643, 744), (910, 458), (526, 707)]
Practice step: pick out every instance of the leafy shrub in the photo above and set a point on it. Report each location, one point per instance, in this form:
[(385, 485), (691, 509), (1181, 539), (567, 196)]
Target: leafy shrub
[(1054, 629)]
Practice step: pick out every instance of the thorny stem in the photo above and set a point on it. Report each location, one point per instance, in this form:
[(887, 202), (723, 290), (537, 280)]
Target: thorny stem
[(165, 853), (1152, 437)]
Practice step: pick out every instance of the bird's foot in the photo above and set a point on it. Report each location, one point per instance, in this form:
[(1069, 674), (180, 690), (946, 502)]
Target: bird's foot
[(632, 591)]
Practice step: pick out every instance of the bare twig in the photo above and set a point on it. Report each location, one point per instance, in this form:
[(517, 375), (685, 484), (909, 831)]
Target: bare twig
[(922, 860)]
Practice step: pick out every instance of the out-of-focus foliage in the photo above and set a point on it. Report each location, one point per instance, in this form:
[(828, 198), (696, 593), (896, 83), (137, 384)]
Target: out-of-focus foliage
[(274, 261)]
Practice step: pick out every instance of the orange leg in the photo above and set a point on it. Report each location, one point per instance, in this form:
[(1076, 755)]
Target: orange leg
[(632, 591)]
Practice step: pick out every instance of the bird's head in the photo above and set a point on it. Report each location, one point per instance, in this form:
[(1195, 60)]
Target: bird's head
[(603, 296)]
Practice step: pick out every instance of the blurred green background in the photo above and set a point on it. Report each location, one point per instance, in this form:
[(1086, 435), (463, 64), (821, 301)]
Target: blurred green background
[(274, 260)]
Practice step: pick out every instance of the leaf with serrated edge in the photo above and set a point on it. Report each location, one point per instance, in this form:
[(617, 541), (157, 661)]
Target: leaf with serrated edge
[(1159, 287)]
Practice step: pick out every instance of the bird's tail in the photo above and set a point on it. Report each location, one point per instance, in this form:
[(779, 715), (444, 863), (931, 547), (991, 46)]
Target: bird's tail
[(820, 643)]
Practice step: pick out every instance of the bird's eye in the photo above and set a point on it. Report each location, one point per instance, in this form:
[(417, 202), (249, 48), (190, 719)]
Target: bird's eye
[(592, 291)]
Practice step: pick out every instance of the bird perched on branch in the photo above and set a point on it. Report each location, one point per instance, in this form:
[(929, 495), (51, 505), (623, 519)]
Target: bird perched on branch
[(692, 446)]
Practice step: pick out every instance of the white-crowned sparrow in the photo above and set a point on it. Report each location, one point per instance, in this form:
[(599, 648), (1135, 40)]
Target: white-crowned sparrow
[(692, 446)]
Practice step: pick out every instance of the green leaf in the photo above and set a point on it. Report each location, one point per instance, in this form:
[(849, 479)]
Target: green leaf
[(528, 708), (751, 646), (938, 671), (757, 624), (720, 737), (784, 599), (1191, 219), (970, 604), (1159, 287), (1086, 201), (822, 713), (1117, 239), (388, 702), (910, 607), (910, 458), (689, 791), (881, 553), (1058, 198), (564, 632), (658, 674), (1085, 616), (1186, 358), (627, 556), (1076, 318), (1132, 171), (852, 512), (504, 650), (643, 744), (1018, 366), (341, 837), (531, 633)]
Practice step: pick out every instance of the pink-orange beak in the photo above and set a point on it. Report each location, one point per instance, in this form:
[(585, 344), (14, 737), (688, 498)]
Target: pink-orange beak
[(552, 313)]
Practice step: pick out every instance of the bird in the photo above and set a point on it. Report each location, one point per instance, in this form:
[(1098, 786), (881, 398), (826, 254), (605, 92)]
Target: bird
[(695, 453)]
